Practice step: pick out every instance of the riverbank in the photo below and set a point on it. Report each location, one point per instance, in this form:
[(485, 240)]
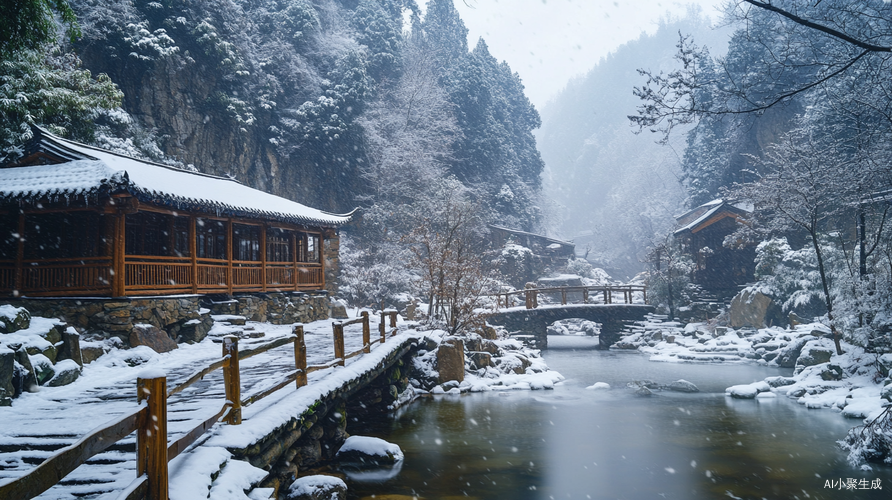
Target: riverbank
[(856, 384)]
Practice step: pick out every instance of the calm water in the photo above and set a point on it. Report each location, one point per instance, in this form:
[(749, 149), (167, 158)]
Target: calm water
[(577, 443)]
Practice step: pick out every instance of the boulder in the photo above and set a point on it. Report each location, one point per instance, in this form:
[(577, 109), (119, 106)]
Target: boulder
[(91, 352), (13, 319), (71, 346), (480, 360), (7, 370), (488, 333), (153, 337), (787, 355), (319, 487), (815, 353), (886, 392), (368, 451), (67, 371), (451, 360), (682, 386), (29, 377), (831, 372), (195, 330), (43, 368), (338, 310), (754, 309)]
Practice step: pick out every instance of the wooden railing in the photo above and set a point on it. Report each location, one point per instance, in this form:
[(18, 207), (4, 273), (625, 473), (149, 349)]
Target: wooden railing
[(605, 292), (148, 274), (149, 420), (72, 275)]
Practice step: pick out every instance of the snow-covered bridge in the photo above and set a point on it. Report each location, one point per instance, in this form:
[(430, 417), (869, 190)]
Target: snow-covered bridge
[(55, 419), (612, 318)]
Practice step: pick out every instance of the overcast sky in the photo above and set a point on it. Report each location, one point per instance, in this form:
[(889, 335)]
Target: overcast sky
[(549, 41)]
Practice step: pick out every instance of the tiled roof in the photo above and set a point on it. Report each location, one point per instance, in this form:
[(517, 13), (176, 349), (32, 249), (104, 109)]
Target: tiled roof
[(90, 170)]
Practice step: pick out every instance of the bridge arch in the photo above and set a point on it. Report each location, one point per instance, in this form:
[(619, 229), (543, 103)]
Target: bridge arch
[(612, 317)]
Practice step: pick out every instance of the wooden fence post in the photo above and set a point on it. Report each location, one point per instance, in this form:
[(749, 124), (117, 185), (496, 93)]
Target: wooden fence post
[(300, 355), (393, 319), (232, 380), (585, 295), (644, 291), (366, 333), (338, 330), (563, 297), (382, 327), (151, 438)]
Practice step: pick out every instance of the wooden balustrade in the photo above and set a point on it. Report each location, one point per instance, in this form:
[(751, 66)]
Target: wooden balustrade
[(531, 295), (149, 420)]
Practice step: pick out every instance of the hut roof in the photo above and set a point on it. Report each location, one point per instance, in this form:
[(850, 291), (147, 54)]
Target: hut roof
[(71, 169)]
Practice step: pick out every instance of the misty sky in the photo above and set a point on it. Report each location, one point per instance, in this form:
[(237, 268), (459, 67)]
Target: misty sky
[(549, 41)]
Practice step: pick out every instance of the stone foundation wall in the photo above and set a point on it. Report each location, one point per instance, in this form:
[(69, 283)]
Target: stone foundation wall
[(185, 318)]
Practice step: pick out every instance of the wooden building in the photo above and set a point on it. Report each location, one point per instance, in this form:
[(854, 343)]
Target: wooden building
[(701, 233), (81, 221)]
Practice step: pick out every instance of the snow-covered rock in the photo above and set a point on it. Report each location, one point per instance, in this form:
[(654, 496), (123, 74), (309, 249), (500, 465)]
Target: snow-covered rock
[(318, 487), (367, 450)]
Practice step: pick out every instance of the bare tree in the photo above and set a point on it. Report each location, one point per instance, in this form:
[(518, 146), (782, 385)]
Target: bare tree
[(448, 256), (791, 48)]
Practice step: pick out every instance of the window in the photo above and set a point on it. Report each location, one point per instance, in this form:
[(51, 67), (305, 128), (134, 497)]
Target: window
[(149, 233), (210, 240), (9, 230), (278, 245), (245, 242), (63, 235), (308, 247)]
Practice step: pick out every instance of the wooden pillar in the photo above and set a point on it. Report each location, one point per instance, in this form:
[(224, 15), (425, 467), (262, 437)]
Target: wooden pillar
[(300, 355), (294, 259), (366, 333), (151, 437), (585, 295), (229, 244), (605, 296), (321, 249), (193, 252), (263, 256), (382, 327), (644, 291), (338, 331), (118, 262), (20, 255), (563, 297), (393, 319), (232, 380)]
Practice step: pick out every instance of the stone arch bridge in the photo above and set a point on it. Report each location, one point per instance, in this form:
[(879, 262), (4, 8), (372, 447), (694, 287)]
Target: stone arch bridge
[(612, 317)]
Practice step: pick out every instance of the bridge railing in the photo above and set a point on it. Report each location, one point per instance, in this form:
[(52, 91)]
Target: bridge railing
[(609, 294), (149, 419)]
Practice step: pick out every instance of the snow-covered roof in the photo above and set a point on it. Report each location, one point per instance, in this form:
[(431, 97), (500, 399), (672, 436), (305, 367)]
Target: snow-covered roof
[(690, 220), (90, 170), (524, 233)]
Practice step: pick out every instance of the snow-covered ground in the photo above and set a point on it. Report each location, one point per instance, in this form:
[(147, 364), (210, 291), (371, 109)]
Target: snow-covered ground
[(106, 389)]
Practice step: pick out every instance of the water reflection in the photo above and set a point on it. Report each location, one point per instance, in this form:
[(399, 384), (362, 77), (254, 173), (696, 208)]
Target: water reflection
[(578, 443)]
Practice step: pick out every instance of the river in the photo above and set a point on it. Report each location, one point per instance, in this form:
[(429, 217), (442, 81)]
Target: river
[(576, 443)]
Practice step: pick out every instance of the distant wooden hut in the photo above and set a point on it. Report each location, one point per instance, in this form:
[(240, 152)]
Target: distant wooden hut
[(79, 220), (701, 233)]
